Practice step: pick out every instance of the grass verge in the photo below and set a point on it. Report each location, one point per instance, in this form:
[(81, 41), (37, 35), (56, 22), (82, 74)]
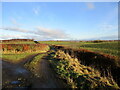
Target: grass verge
[(16, 58), (34, 65), (77, 75)]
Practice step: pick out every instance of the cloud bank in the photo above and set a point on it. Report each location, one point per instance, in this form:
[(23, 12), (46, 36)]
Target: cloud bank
[(38, 33)]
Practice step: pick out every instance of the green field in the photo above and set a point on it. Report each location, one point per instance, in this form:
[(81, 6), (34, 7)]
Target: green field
[(110, 48), (101, 47), (15, 58)]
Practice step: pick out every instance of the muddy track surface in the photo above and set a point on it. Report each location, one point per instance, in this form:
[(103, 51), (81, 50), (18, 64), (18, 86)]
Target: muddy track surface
[(17, 76), (47, 77)]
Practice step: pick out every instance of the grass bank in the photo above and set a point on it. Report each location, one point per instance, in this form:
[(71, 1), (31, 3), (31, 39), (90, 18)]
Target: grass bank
[(77, 75)]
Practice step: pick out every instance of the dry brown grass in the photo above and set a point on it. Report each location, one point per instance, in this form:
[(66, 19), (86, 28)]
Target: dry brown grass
[(94, 76)]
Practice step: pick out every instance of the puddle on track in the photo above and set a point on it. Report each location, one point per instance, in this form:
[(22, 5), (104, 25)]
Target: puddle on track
[(21, 70), (14, 75)]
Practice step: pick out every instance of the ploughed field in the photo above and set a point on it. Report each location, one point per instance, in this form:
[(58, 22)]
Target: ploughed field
[(60, 64)]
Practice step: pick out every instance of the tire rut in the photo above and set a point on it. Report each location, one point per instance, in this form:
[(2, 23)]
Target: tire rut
[(17, 72), (47, 78)]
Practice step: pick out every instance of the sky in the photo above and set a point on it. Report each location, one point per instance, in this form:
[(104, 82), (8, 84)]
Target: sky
[(59, 20)]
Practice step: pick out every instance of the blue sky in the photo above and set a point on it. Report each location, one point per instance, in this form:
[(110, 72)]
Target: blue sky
[(59, 20)]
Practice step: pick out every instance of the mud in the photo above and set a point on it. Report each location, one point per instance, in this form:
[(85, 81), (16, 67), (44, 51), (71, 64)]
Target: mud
[(17, 76), (47, 77)]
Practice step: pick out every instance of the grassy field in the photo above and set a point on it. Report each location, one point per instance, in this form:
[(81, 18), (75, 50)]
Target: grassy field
[(101, 47), (110, 48), (104, 47), (15, 58)]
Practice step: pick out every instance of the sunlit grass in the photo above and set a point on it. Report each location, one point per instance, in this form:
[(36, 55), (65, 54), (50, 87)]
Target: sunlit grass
[(102, 47), (78, 75), (15, 58)]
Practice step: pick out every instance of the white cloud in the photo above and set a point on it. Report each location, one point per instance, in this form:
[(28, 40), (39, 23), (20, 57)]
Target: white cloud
[(14, 29), (11, 36), (90, 5), (51, 33), (40, 32), (36, 10)]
